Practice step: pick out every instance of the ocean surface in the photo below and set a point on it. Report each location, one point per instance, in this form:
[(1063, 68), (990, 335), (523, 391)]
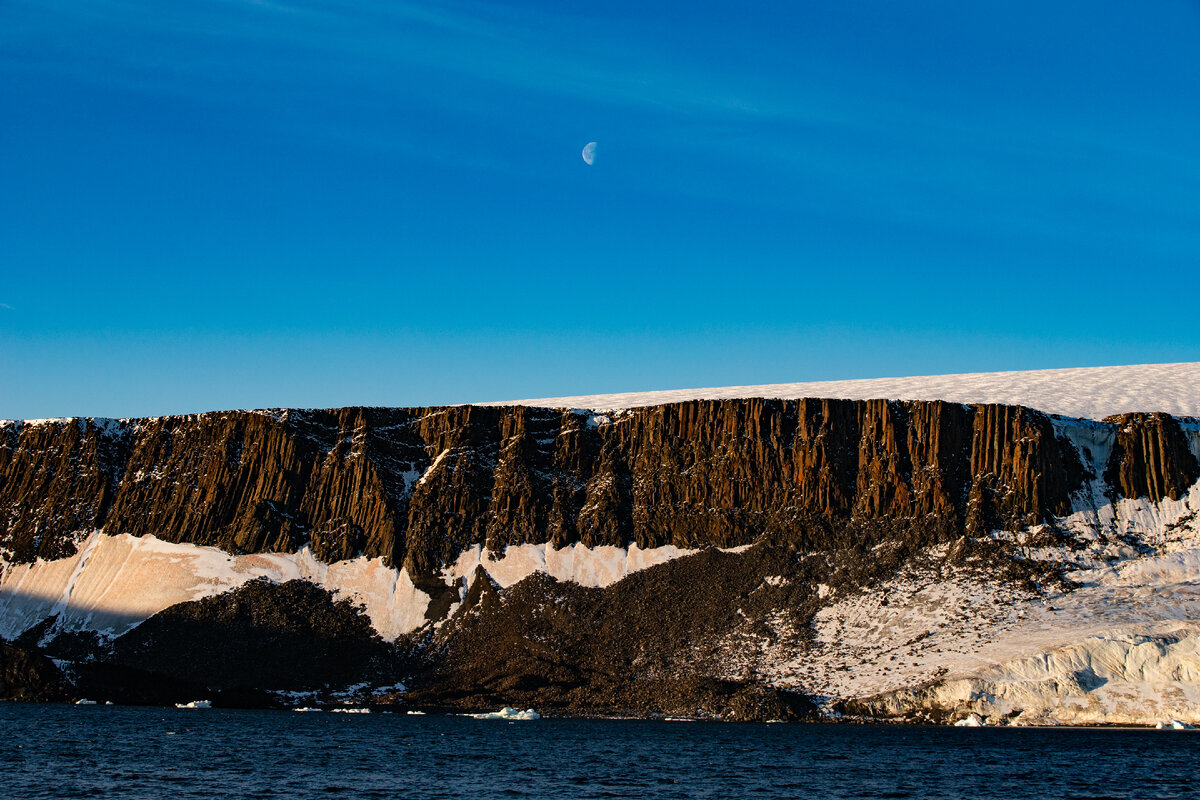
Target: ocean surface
[(63, 751)]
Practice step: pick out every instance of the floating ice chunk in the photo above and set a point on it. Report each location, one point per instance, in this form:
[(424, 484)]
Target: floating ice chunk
[(509, 713), (1173, 725), (970, 721), (85, 702), (195, 704), (351, 710), (306, 708), (415, 713)]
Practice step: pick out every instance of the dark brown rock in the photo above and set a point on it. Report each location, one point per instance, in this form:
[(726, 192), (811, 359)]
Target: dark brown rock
[(1150, 458), (58, 481), (417, 486)]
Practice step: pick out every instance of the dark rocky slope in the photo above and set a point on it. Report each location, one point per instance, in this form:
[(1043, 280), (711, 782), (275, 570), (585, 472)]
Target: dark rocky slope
[(261, 635), (30, 676)]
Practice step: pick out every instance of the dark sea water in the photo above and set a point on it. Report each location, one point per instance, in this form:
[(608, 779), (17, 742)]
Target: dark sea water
[(57, 751)]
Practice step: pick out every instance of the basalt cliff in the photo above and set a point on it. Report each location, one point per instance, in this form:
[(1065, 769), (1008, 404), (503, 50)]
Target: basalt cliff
[(743, 559)]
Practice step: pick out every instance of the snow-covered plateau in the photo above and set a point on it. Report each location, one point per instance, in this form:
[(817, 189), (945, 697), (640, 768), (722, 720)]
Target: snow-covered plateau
[(1082, 392), (1114, 640)]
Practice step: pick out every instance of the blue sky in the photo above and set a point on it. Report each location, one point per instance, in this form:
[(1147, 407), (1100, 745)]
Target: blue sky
[(229, 204)]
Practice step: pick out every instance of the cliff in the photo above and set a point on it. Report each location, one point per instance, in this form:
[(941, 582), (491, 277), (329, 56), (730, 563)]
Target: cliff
[(417, 486), (712, 555)]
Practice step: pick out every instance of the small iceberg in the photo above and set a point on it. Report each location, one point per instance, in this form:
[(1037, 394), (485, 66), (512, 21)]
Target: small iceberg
[(970, 721), (195, 704), (85, 702), (1174, 725), (509, 713), (351, 710), (305, 708), (415, 713)]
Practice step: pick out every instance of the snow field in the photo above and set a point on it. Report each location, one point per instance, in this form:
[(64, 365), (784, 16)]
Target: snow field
[(1083, 392)]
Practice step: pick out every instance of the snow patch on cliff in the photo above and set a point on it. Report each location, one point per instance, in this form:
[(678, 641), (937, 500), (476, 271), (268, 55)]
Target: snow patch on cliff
[(577, 563), (113, 583)]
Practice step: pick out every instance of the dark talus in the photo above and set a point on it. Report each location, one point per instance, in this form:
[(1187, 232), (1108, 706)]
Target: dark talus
[(261, 635), (639, 647), (662, 640), (417, 486), (29, 676)]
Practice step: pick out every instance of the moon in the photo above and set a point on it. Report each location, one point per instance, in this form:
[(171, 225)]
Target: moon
[(589, 153)]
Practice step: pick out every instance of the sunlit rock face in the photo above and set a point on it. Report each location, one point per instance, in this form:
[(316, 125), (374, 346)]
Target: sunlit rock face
[(901, 559), (417, 487)]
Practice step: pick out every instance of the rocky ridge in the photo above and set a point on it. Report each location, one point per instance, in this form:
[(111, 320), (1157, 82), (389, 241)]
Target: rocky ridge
[(417, 486)]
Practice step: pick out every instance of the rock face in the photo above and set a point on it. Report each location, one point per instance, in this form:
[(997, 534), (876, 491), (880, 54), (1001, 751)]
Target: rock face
[(417, 486), (825, 501), (1150, 458)]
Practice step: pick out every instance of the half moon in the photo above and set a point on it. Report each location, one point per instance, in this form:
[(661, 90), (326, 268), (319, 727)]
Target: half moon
[(589, 153)]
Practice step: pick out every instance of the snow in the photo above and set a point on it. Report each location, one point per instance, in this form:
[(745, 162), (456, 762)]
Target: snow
[(113, 583), (433, 467), (1083, 392), (1123, 647), (586, 566)]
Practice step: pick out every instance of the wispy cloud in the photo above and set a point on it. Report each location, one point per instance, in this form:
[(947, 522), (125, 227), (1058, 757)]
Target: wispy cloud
[(834, 136), (555, 54)]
